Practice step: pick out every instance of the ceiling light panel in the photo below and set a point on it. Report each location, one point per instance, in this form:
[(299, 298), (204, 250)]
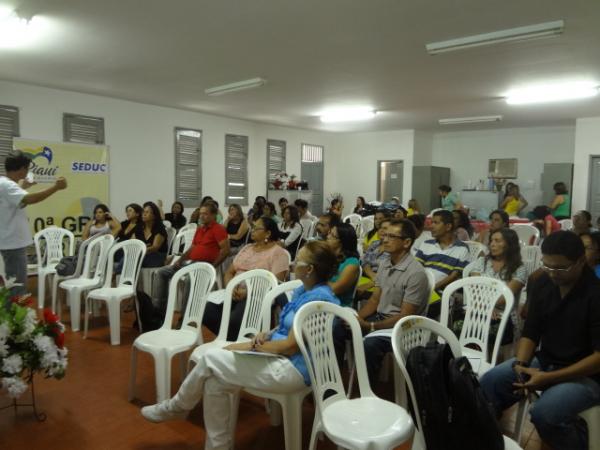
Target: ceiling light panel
[(237, 86), (347, 115), (552, 93)]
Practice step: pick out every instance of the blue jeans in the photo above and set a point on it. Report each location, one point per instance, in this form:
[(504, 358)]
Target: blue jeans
[(555, 413), (15, 266)]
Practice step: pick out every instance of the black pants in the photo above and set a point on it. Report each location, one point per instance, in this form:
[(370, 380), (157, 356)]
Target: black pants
[(214, 313)]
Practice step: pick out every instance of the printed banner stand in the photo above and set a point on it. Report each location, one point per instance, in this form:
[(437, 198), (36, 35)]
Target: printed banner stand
[(86, 169)]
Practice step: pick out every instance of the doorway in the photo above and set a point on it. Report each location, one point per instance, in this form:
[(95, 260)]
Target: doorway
[(594, 188), (312, 172), (390, 179)]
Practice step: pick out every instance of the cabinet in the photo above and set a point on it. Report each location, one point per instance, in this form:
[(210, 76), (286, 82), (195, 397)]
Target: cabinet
[(425, 183)]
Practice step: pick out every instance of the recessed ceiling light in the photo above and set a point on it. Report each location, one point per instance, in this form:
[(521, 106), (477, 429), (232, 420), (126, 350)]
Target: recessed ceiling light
[(20, 28), (237, 86), (347, 114), (552, 93), (476, 119), (540, 30)]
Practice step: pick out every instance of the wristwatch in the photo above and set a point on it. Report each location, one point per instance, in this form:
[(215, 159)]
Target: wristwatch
[(372, 326)]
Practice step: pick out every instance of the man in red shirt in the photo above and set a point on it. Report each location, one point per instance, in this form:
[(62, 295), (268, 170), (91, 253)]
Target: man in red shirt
[(210, 245)]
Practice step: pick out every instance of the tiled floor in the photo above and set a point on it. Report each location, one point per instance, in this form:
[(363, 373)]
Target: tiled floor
[(88, 409)]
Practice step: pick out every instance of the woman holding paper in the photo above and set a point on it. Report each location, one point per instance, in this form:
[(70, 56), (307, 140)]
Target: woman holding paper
[(222, 371)]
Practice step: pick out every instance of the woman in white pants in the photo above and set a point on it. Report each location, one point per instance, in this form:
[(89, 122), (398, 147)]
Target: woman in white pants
[(222, 371)]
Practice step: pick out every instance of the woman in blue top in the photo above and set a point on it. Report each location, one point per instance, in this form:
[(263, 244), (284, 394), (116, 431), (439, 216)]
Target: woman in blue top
[(342, 240), (450, 200), (221, 372)]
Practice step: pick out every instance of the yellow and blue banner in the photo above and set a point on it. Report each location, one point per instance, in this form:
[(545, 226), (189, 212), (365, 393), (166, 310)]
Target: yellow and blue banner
[(86, 169)]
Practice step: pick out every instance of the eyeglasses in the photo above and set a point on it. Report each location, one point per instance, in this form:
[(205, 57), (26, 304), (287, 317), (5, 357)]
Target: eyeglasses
[(557, 270), (392, 236)]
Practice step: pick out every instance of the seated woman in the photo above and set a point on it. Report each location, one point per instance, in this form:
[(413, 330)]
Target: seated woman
[(270, 212), (176, 216), (283, 203), (462, 225), (545, 221), (342, 240), (154, 235), (360, 205), (221, 371), (504, 263), (413, 208), (102, 223), (513, 202), (400, 213), (133, 212), (591, 243), (370, 262), (263, 254), (498, 220), (290, 230), (237, 228), (337, 207), (373, 235), (582, 222)]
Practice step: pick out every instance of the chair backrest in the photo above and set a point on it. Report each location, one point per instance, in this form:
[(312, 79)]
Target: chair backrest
[(54, 240), (354, 220), (476, 249), (171, 233), (96, 257), (201, 278), (183, 238), (480, 295), (532, 257), (81, 255), (566, 224), (133, 255), (189, 226), (283, 288), (366, 225), (258, 283), (313, 329), (433, 211), (468, 269), (526, 233), (167, 224), (360, 271), (414, 331)]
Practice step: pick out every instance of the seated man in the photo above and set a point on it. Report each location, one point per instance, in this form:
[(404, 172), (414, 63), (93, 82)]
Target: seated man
[(210, 244), (401, 290), (303, 211), (444, 254), (326, 222), (559, 351)]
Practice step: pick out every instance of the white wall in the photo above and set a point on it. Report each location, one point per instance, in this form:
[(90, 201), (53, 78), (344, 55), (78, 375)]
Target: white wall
[(141, 141), (587, 143), (467, 154), (355, 157)]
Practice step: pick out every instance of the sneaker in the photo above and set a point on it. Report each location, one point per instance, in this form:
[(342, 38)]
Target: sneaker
[(163, 411)]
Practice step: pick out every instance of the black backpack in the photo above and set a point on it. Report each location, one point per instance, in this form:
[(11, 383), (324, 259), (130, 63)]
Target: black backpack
[(454, 413), (66, 266), (151, 317)]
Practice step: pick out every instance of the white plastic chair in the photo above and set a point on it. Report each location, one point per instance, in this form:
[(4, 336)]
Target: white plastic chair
[(133, 254), (433, 211), (307, 228), (166, 342), (476, 249), (258, 283), (50, 256), (366, 224), (480, 295), (92, 276), (468, 269), (167, 224), (188, 227), (366, 422), (2, 271), (171, 233), (526, 233), (532, 257), (414, 331), (566, 224), (354, 220), (592, 418)]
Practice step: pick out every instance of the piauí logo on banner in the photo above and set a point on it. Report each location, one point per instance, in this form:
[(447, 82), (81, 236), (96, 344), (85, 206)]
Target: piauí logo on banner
[(43, 171)]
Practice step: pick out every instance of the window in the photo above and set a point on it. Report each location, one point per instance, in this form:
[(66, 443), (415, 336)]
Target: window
[(312, 153), (236, 169), (188, 166), (9, 128), (84, 129), (275, 159)]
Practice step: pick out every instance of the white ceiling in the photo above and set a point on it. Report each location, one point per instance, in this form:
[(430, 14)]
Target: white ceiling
[(315, 54)]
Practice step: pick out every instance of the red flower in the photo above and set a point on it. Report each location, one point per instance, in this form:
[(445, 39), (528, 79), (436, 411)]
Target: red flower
[(49, 316), (59, 340)]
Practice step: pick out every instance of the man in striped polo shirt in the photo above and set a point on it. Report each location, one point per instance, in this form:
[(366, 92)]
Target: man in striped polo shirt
[(444, 254)]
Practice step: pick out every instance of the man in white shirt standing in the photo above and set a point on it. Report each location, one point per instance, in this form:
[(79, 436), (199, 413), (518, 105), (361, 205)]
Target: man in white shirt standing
[(15, 235)]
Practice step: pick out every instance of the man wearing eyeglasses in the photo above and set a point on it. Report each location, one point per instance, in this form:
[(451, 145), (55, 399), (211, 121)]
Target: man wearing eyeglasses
[(401, 289), (559, 351)]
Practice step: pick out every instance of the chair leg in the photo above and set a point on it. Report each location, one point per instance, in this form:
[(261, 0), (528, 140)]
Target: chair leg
[(183, 368), (162, 368), (55, 280), (399, 387), (314, 433), (133, 373), (292, 422), (41, 289), (275, 412), (114, 321), (234, 405), (522, 409), (74, 297)]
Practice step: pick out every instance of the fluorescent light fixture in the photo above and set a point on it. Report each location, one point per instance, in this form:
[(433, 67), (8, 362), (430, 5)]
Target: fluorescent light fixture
[(462, 120), (237, 86), (347, 115), (552, 93), (20, 28), (540, 30)]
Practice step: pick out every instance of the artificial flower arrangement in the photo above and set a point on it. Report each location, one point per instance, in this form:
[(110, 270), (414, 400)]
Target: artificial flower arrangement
[(28, 345)]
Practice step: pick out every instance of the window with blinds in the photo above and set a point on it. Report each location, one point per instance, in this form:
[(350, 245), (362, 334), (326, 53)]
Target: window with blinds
[(9, 128), (275, 159), (236, 169), (84, 129), (188, 166), (312, 153)]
